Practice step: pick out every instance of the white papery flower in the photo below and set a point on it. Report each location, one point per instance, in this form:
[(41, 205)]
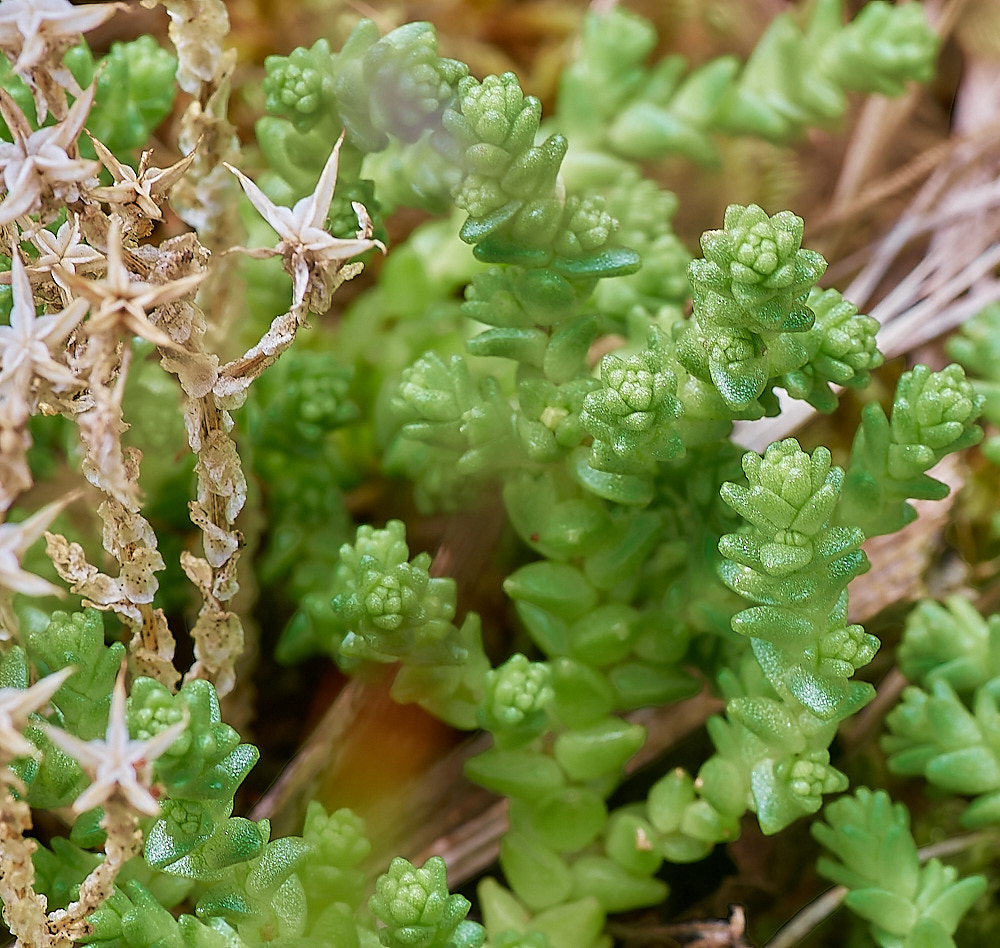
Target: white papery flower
[(15, 706), (119, 766), (36, 166), (15, 538), (35, 35), (312, 256), (26, 344)]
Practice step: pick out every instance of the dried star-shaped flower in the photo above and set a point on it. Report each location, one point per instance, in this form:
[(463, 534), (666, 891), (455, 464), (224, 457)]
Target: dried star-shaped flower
[(64, 249), (15, 538), (141, 187), (15, 706), (25, 345), (121, 304), (37, 167), (120, 766), (36, 33), (314, 258)]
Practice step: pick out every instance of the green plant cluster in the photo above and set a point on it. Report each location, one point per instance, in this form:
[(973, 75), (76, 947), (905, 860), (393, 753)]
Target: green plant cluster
[(246, 888), (933, 414), (576, 384), (904, 902), (796, 78), (604, 474), (385, 608), (945, 727)]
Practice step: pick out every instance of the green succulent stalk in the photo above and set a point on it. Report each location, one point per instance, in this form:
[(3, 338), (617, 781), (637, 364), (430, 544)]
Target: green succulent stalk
[(782, 711), (933, 414), (417, 910), (797, 77), (750, 292), (904, 902), (944, 729), (976, 346)]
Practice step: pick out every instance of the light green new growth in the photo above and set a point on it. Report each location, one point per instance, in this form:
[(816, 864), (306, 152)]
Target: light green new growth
[(905, 904), (933, 414), (614, 106), (750, 295), (946, 727), (977, 347), (417, 910), (795, 565), (385, 607)]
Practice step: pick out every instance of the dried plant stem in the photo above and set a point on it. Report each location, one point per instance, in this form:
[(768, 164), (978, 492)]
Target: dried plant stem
[(24, 909), (123, 842), (218, 632)]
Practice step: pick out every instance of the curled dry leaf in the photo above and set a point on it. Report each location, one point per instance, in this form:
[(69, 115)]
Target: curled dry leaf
[(151, 650), (218, 640), (130, 539), (220, 545), (100, 590), (197, 29)]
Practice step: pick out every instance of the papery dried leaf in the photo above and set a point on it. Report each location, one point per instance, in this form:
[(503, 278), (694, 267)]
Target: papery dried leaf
[(24, 909), (219, 544), (176, 320), (106, 465), (194, 423), (206, 197), (218, 640), (196, 371), (130, 539), (15, 474), (225, 584), (152, 650), (235, 377), (136, 575), (220, 468), (178, 257), (124, 528), (198, 571), (101, 591), (197, 30)]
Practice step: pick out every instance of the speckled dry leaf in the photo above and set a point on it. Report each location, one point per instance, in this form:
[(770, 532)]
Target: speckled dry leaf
[(220, 467), (206, 198), (129, 538), (196, 371), (220, 545), (15, 475), (194, 412), (100, 590), (236, 377), (198, 571), (218, 640), (152, 650), (107, 466), (225, 585), (24, 914), (197, 30)]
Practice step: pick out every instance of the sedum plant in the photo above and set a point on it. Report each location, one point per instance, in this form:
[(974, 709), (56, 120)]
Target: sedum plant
[(588, 382)]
